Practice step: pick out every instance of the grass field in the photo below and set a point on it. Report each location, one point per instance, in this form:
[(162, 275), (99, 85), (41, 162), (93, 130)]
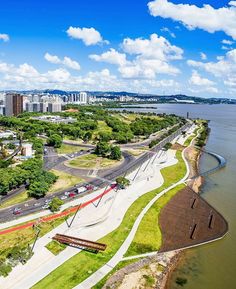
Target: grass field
[(92, 161), (135, 152), (55, 247), (64, 181), (148, 237), (86, 263), (18, 199), (25, 236), (68, 149)]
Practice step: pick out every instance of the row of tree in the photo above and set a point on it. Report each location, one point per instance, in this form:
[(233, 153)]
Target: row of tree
[(31, 174), (164, 135)]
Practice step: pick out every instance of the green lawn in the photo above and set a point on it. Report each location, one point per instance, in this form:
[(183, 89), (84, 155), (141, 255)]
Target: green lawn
[(64, 181), (18, 199), (92, 161), (148, 237), (82, 265), (55, 247), (25, 236), (68, 149)]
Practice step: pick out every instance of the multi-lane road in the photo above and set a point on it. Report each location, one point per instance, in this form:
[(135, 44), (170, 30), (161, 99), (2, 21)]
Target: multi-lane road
[(105, 178)]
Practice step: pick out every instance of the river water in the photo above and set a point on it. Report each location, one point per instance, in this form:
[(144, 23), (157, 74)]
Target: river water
[(212, 266)]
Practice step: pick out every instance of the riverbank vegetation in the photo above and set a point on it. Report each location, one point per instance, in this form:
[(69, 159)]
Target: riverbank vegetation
[(203, 135)]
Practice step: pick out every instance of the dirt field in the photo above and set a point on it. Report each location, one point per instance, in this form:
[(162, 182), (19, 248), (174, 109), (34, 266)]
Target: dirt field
[(189, 220)]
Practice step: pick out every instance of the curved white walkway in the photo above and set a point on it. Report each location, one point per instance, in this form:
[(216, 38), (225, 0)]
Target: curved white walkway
[(103, 271)]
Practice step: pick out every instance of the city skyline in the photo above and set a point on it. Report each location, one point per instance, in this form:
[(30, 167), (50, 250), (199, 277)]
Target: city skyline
[(152, 47)]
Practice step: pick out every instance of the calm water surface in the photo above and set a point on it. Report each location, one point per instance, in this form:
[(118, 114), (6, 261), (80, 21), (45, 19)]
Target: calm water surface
[(212, 266)]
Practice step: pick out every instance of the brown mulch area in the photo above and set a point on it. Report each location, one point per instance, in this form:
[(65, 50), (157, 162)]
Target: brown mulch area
[(189, 220), (177, 147)]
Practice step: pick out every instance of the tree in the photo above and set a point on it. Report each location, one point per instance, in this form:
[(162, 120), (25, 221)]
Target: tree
[(55, 204), (55, 140), (38, 189), (105, 136), (167, 146), (11, 146), (87, 136), (115, 153), (102, 149), (122, 182)]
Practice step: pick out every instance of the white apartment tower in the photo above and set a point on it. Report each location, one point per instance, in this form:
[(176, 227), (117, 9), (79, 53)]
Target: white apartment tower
[(83, 98)]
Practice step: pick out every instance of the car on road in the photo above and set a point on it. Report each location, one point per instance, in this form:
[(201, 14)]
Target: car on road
[(81, 190), (72, 194), (89, 187), (45, 206), (17, 211), (63, 197), (37, 204)]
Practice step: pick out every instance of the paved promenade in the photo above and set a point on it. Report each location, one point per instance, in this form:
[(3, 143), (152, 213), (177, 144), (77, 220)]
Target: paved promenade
[(108, 217)]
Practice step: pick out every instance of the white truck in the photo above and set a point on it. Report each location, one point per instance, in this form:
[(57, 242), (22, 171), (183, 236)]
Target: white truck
[(81, 190)]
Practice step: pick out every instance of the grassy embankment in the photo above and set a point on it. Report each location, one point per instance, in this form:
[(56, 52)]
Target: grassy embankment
[(92, 161), (55, 247), (69, 149), (64, 181), (86, 263), (18, 199), (22, 238)]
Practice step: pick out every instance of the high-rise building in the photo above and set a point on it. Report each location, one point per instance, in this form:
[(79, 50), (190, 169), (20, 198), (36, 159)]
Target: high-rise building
[(2, 109), (33, 107), (14, 104), (73, 98), (54, 107), (83, 98), (43, 107)]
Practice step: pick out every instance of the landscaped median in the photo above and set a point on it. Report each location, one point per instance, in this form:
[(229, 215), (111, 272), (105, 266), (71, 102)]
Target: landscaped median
[(92, 161), (83, 264)]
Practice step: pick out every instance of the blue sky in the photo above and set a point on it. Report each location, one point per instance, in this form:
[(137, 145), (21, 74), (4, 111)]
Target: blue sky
[(141, 46)]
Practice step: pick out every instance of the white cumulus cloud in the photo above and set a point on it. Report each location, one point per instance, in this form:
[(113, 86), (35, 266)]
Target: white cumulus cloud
[(89, 36), (206, 17), (66, 61), (224, 68), (196, 79), (4, 37), (227, 42), (111, 56), (52, 58), (148, 57), (203, 56)]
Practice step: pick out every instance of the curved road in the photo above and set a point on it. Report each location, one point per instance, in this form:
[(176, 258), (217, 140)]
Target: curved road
[(33, 206)]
